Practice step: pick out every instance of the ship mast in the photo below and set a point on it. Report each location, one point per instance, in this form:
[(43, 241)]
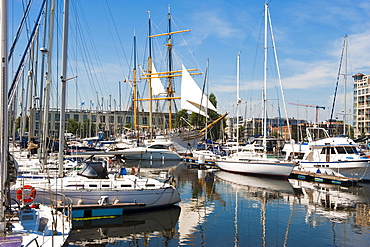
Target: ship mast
[(169, 74), (150, 69)]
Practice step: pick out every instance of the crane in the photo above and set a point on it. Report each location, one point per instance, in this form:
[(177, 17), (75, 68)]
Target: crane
[(316, 106)]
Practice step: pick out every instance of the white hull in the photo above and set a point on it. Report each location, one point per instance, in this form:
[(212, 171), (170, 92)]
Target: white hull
[(265, 168), (353, 169), (115, 194), (329, 154)]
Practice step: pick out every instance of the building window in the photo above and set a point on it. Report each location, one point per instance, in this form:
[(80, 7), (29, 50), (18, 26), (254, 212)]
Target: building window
[(76, 117), (102, 119), (93, 118), (119, 119), (57, 117), (145, 120), (37, 116), (111, 119), (84, 117), (128, 120), (67, 117)]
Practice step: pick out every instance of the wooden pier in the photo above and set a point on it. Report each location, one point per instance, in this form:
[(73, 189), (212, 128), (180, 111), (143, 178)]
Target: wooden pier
[(195, 162), (324, 178)]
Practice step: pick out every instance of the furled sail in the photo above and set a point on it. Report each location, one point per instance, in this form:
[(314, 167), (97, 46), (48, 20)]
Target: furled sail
[(157, 86), (192, 97)]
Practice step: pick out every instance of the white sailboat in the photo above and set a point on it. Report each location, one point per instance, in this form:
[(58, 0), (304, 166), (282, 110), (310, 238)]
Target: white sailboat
[(21, 224), (95, 192), (248, 162)]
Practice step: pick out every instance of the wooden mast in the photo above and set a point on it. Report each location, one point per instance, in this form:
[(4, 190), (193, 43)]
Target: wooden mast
[(150, 69), (169, 90)]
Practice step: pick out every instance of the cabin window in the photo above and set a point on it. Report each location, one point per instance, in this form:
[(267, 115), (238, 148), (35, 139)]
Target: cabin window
[(328, 150), (93, 185), (105, 186), (341, 150), (349, 150), (150, 185), (125, 185)]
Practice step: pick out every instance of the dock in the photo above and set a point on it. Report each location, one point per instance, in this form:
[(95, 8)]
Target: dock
[(194, 161), (97, 211), (324, 178)]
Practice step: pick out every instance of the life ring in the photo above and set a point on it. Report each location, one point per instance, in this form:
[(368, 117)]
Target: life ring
[(26, 197)]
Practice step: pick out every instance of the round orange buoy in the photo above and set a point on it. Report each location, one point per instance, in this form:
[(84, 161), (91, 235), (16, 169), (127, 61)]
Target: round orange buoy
[(26, 194)]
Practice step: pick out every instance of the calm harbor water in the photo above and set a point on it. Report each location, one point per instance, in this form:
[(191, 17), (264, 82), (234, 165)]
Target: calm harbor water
[(224, 209)]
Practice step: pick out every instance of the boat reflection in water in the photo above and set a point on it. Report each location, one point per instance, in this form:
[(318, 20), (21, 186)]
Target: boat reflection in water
[(157, 226), (292, 210), (256, 183), (333, 202), (255, 193)]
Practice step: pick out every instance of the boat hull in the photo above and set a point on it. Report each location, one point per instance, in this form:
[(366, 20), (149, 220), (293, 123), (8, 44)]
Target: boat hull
[(354, 169), (102, 197)]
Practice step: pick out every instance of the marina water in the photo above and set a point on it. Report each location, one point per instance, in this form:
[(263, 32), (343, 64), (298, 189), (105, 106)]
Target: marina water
[(225, 209)]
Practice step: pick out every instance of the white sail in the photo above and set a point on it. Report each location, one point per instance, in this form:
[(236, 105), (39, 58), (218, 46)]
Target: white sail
[(192, 97), (157, 86)]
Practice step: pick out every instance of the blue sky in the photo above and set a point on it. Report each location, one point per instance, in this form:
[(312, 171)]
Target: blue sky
[(309, 38)]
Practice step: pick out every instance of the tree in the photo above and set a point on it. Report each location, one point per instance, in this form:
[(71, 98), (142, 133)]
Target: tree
[(73, 126), (182, 114)]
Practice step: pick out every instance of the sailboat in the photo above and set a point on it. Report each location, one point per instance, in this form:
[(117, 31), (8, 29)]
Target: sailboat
[(192, 97), (250, 162), (20, 223), (95, 191)]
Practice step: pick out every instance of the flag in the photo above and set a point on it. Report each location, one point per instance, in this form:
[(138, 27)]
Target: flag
[(83, 103)]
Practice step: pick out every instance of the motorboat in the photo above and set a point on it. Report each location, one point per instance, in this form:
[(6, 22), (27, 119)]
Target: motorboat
[(326, 154)]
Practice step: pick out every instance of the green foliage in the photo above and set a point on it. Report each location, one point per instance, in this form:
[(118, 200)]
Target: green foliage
[(73, 126), (182, 114)]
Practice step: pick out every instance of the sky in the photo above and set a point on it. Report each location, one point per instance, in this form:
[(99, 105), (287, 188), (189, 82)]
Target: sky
[(309, 37)]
